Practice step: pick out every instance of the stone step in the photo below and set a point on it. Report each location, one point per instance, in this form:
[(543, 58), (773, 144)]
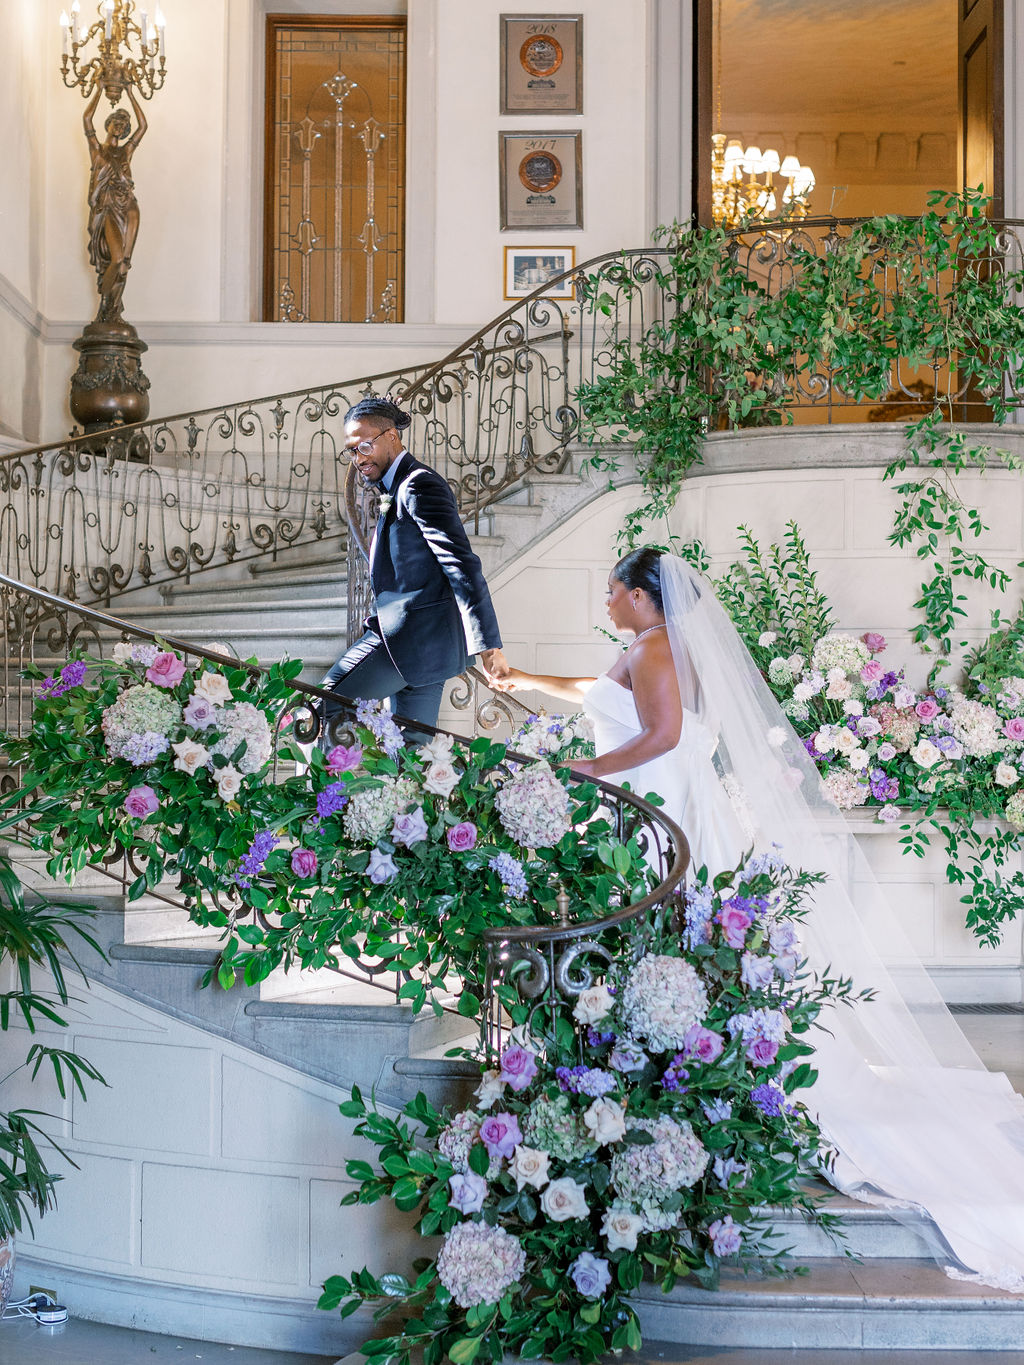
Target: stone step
[(880, 1305), (294, 585)]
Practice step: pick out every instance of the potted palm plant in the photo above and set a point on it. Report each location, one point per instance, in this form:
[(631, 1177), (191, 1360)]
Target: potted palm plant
[(35, 938)]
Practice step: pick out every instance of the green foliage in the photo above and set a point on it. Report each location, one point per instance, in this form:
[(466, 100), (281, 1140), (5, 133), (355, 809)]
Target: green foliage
[(753, 1141), (33, 936)]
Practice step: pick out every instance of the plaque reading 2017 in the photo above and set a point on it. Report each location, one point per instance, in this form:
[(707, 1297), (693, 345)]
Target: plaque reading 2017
[(542, 64)]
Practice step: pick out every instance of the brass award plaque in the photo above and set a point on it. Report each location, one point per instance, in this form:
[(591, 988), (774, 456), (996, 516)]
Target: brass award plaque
[(541, 179), (541, 64)]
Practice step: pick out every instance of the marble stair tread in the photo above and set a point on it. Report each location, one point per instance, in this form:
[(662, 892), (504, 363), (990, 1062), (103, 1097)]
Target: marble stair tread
[(877, 1304), (191, 948)]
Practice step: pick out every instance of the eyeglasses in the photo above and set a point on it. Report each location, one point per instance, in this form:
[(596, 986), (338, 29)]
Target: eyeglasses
[(364, 447)]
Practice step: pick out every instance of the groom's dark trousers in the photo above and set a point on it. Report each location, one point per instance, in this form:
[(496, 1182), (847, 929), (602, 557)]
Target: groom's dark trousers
[(433, 611)]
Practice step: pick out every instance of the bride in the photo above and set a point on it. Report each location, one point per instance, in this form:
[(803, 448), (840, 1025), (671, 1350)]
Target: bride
[(917, 1120)]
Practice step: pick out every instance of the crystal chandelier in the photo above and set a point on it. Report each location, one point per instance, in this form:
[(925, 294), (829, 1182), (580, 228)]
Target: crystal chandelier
[(744, 183)]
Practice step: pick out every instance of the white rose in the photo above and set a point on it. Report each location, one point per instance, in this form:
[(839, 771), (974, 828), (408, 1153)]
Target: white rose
[(843, 740), (564, 1199), (190, 756), (621, 1228), (229, 782), (440, 779), (796, 663), (857, 759), (439, 750), (606, 1121), (1006, 775), (839, 688), (925, 754), (530, 1167), (214, 687), (122, 652), (490, 1089), (593, 1005), (767, 638)]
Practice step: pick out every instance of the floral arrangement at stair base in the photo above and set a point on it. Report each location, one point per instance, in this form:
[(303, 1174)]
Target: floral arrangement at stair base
[(638, 1129), (374, 850)]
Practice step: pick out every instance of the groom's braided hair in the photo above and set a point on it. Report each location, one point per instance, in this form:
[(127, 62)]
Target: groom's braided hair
[(642, 569), (381, 410)]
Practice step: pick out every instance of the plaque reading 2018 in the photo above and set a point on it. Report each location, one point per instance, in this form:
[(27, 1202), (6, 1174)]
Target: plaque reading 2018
[(542, 64)]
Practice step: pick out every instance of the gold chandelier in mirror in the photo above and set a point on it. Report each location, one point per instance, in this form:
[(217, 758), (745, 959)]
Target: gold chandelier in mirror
[(747, 183)]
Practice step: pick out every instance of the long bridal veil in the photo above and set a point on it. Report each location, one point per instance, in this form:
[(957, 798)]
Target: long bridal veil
[(916, 1118)]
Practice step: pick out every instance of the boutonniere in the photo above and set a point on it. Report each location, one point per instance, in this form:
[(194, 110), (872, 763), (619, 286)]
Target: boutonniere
[(384, 504)]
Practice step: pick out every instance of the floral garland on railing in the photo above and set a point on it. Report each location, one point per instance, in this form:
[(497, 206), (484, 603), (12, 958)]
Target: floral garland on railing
[(651, 1126), (376, 851)]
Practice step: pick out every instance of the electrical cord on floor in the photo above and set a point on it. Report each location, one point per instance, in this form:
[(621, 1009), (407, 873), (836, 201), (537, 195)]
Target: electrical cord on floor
[(42, 1307)]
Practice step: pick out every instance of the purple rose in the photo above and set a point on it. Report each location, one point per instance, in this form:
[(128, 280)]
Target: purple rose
[(303, 862), (874, 641), (590, 1275), (756, 972), (626, 1056), (462, 837), (872, 671), (343, 760), (468, 1192), (141, 802), (886, 752), (518, 1067), (500, 1134), (762, 1051), (409, 829), (726, 1237), (702, 1044), (381, 867), (927, 708), (200, 713), (1014, 729), (166, 670), (735, 922)]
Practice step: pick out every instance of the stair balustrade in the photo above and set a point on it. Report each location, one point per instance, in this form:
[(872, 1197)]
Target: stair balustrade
[(40, 628)]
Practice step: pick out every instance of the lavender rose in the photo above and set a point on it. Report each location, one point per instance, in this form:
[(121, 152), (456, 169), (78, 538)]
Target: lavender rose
[(735, 922), (500, 1134), (725, 1236), (141, 802), (590, 1275), (409, 829), (703, 1044), (462, 837), (518, 1067), (468, 1192), (381, 867), (303, 862), (342, 759)]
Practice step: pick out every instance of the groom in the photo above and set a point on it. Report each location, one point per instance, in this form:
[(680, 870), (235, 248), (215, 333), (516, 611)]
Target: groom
[(433, 609)]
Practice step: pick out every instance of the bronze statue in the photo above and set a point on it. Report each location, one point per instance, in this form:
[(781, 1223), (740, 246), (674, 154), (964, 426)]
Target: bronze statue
[(113, 208)]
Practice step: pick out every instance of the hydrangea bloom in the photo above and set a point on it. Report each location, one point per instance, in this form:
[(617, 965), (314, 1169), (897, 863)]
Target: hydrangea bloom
[(371, 812), (662, 998), (585, 1080), (846, 790), (455, 1140), (240, 723), (1015, 811), (837, 650), (977, 727), (547, 736), (552, 1126), (142, 709), (479, 1264), (675, 1160), (533, 807), (142, 749), (377, 719)]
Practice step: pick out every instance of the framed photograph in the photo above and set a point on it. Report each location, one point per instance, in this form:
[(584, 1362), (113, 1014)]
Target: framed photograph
[(541, 179), (542, 63), (528, 267)]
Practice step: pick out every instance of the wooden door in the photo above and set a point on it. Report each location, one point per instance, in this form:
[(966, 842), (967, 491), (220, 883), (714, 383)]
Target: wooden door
[(980, 97)]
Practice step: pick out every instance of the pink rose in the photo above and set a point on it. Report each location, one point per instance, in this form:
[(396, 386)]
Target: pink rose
[(500, 1135), (303, 862), (462, 837), (166, 670), (762, 1051), (343, 760), (701, 1044), (518, 1067), (871, 671), (927, 708), (874, 641), (1014, 729), (735, 922), (141, 802)]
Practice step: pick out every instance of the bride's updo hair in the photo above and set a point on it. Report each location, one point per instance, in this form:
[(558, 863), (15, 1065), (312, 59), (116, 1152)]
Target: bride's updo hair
[(642, 569), (380, 410)]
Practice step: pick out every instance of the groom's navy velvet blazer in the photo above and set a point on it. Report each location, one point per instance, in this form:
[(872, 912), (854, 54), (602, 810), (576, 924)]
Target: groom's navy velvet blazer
[(433, 608)]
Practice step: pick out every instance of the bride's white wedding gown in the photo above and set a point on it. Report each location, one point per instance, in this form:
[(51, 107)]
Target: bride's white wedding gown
[(907, 1136)]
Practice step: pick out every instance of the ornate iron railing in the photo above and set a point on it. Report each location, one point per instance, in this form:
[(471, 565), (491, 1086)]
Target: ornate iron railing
[(42, 629), (94, 516)]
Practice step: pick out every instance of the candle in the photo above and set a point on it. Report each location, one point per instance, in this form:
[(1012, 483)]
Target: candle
[(65, 24), (145, 29), (108, 20), (74, 19), (160, 24)]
